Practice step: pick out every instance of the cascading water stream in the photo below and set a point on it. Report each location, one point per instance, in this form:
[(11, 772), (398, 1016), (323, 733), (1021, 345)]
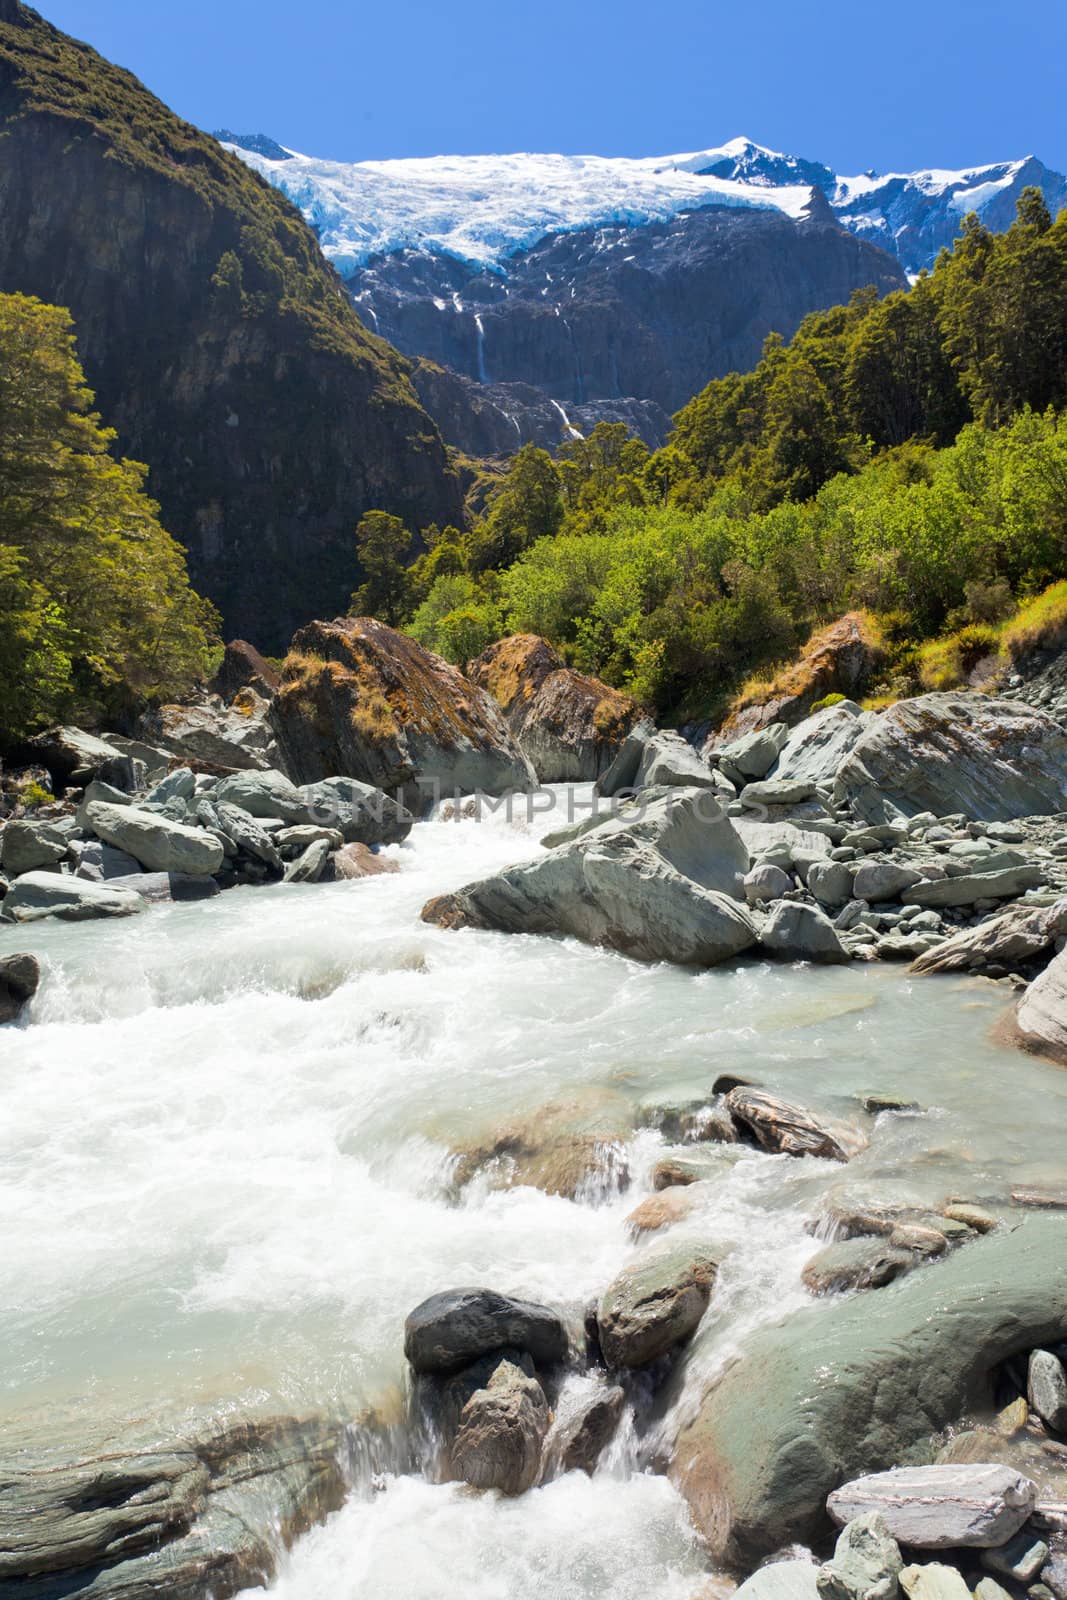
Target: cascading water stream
[(226, 1175)]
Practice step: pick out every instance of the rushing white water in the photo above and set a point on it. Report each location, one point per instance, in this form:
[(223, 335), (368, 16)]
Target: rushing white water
[(224, 1176)]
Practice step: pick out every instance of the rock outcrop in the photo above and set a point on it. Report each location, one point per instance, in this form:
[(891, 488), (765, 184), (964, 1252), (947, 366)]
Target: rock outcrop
[(991, 760), (194, 286), (361, 700), (570, 726), (663, 885), (839, 659), (840, 1396)]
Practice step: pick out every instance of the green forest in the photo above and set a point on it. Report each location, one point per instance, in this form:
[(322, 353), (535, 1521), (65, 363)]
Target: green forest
[(905, 456)]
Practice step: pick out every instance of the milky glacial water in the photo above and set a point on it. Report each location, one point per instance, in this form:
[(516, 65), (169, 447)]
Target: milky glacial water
[(224, 1178)]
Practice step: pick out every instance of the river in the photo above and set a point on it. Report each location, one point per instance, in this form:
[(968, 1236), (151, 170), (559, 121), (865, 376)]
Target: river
[(225, 1158)]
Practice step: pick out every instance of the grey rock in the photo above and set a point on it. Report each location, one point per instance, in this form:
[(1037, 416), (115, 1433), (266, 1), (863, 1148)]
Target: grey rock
[(941, 1507), (308, 867), (622, 774), (157, 843), (27, 846), (971, 887), (501, 1431), (802, 933), (787, 1128), (73, 757), (51, 894), (656, 1303), (293, 841), (754, 754), (361, 813), (1022, 1558), (246, 833), (776, 792), (1040, 1023), (817, 747), (990, 759), (20, 976), (101, 862), (866, 1562), (933, 1581), (452, 1329), (98, 790), (582, 1432), (782, 842), (830, 882), (177, 785), (667, 761), (989, 1589), (838, 1396), (856, 1264), (662, 887), (766, 882), (160, 887), (781, 1580), (217, 735), (264, 794), (1054, 1576), (883, 880), (1046, 1387), (1010, 940)]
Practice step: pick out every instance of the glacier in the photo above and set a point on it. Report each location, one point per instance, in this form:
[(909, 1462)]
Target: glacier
[(483, 209)]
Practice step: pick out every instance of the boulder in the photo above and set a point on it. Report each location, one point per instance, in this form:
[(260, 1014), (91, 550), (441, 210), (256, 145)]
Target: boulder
[(941, 1507), (26, 846), (74, 757), (52, 894), (294, 841), (571, 727), (264, 794), (361, 813), (161, 1510), (363, 701), (308, 867), (841, 1395), (159, 844), (795, 932), (242, 830), (933, 1581), (452, 1329), (771, 792), (669, 761), (582, 1429), (754, 754), (830, 882), (766, 882), (866, 1562), (356, 861), (781, 1580), (242, 667), (991, 760), (1022, 1558), (1040, 1023), (101, 862), (656, 1303), (785, 1127), (883, 880), (1019, 936), (856, 1264), (501, 1431), (20, 976), (621, 775), (817, 747), (838, 659), (158, 888), (222, 738), (970, 887), (566, 1148), (661, 886), (1046, 1389), (180, 784)]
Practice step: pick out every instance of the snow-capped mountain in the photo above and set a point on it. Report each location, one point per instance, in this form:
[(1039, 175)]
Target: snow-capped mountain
[(484, 209)]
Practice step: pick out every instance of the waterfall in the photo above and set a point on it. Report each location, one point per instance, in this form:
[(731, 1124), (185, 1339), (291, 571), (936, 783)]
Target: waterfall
[(572, 431), (482, 377)]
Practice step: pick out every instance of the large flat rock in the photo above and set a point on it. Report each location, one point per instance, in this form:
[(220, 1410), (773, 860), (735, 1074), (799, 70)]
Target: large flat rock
[(993, 760), (836, 1392)]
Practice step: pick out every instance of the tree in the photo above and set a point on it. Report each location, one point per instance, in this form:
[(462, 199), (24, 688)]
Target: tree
[(94, 592), (526, 507), (382, 542)]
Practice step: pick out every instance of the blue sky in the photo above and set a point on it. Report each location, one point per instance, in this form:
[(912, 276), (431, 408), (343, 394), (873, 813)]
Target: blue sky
[(854, 84)]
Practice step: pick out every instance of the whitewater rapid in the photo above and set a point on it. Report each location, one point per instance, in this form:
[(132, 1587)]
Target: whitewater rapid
[(225, 1162)]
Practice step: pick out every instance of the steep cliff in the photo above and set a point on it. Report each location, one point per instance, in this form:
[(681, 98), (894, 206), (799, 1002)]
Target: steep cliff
[(219, 341), (649, 311)]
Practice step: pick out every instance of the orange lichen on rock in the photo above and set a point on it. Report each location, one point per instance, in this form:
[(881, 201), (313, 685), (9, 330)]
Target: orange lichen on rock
[(838, 659)]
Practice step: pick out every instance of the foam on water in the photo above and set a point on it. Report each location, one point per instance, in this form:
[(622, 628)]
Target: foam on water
[(224, 1173)]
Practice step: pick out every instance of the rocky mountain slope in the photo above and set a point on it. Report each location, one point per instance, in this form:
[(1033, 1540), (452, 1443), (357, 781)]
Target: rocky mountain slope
[(217, 338)]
